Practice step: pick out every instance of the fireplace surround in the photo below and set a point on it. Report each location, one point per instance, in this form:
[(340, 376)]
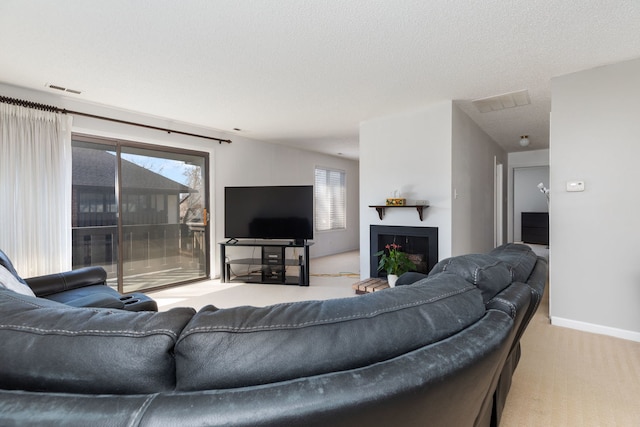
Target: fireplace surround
[(420, 243)]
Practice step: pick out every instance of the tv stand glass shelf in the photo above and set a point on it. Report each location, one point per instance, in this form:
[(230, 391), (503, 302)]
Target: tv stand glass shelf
[(270, 267)]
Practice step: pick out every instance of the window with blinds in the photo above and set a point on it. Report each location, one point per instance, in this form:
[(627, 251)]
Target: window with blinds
[(330, 199)]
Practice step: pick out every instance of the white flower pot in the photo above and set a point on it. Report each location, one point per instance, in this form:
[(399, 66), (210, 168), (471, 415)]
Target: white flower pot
[(392, 278)]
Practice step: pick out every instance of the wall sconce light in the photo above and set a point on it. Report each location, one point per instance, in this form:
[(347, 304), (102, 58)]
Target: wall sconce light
[(524, 141)]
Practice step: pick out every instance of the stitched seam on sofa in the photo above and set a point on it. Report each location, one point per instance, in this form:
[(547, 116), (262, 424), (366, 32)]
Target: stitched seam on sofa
[(32, 303), (520, 260), (64, 282), (135, 420), (509, 304), (447, 264), (41, 331), (223, 328), (63, 306), (476, 272)]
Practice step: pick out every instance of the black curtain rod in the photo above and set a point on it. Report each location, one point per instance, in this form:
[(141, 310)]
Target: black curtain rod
[(50, 108)]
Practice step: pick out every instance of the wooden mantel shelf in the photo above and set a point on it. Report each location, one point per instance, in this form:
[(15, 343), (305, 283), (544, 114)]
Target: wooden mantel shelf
[(381, 208)]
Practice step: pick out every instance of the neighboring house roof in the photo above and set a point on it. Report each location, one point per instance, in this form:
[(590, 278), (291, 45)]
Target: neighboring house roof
[(96, 168)]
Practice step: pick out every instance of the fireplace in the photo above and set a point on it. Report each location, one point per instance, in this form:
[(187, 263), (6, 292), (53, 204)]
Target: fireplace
[(420, 243)]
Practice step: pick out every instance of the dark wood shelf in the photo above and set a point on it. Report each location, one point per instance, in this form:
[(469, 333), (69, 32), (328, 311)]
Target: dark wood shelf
[(381, 208)]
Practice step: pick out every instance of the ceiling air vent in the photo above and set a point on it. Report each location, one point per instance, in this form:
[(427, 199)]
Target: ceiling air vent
[(501, 102), (63, 89)]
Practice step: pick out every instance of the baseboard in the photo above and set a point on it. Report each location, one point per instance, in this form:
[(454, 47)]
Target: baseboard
[(596, 329)]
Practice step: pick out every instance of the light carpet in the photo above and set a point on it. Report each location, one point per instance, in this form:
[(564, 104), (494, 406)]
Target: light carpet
[(570, 378), (330, 277)]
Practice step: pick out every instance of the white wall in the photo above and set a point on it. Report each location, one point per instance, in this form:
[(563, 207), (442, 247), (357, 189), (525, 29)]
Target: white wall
[(250, 162), (425, 153), (244, 162), (410, 152), (473, 174), (595, 137)]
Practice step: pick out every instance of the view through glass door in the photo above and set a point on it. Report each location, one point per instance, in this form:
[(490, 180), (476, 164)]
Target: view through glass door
[(141, 213)]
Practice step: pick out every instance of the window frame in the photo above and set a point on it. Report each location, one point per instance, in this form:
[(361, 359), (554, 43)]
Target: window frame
[(335, 223)]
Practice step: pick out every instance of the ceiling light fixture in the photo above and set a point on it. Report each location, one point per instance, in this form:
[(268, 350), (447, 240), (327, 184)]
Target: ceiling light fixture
[(524, 141)]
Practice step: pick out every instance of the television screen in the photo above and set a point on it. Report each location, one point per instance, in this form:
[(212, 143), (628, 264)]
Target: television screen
[(273, 212)]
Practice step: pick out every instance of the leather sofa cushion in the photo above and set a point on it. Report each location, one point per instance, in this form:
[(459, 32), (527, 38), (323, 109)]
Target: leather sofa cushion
[(70, 295), (520, 258), (58, 348), (243, 346), (489, 274), (409, 278)]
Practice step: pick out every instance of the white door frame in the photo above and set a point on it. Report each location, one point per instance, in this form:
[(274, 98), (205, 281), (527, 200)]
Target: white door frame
[(498, 197)]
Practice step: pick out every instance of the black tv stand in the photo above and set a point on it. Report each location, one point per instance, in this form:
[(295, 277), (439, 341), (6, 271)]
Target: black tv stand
[(272, 263)]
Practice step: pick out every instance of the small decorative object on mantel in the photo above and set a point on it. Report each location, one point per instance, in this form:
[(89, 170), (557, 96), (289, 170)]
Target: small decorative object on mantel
[(396, 200), (394, 262)]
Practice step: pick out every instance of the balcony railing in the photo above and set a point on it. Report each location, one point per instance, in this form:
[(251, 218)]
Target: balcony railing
[(147, 250)]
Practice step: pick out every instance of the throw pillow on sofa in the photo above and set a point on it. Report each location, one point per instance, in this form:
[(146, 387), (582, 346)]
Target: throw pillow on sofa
[(9, 281)]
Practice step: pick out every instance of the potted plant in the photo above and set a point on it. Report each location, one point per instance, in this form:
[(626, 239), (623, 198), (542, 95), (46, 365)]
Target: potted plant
[(394, 262)]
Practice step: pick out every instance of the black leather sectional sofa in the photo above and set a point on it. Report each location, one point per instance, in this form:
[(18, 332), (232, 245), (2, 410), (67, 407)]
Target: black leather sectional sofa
[(83, 287), (438, 352)]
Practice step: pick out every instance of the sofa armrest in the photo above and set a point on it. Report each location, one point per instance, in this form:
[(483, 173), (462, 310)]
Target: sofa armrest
[(60, 282), (98, 299)]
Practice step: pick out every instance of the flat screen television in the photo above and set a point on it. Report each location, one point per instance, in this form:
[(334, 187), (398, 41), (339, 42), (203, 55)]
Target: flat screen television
[(269, 212)]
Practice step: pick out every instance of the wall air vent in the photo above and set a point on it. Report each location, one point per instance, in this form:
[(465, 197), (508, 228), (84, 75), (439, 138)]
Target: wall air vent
[(501, 102), (63, 89)]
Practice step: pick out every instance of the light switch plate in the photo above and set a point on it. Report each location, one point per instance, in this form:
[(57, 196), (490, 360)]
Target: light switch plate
[(575, 185)]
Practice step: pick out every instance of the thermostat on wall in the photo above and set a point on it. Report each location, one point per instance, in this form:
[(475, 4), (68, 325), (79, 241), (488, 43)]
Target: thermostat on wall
[(575, 185)]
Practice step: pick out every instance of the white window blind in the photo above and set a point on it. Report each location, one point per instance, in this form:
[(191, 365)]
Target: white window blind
[(330, 199)]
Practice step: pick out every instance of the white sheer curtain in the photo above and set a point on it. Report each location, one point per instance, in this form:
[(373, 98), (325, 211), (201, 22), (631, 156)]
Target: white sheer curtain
[(35, 189)]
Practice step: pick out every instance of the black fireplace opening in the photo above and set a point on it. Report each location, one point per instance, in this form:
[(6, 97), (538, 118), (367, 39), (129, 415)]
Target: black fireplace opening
[(420, 244)]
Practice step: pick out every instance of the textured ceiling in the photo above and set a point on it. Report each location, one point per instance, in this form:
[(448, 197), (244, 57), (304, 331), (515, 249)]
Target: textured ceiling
[(306, 73)]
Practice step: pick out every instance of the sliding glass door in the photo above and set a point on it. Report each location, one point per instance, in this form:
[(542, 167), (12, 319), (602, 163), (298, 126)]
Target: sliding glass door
[(141, 213), (94, 211)]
